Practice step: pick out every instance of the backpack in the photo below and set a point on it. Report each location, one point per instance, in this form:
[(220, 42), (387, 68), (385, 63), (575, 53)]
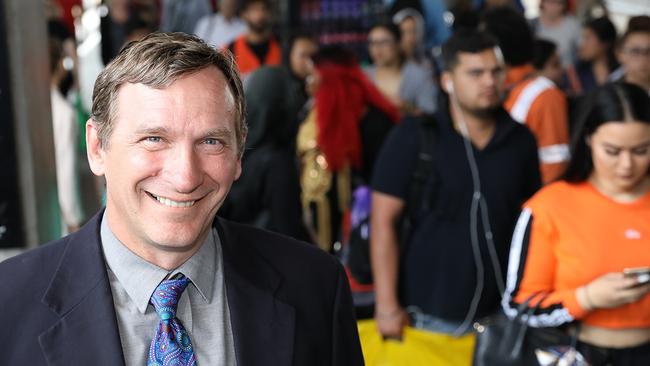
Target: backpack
[(422, 188)]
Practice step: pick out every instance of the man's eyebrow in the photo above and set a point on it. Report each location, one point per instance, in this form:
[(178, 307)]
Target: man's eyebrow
[(482, 69), (218, 132), (151, 131)]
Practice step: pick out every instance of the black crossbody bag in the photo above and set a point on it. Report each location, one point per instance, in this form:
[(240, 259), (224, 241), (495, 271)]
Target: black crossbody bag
[(504, 341)]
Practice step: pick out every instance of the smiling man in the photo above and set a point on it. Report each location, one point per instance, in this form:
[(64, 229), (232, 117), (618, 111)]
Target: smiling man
[(156, 278)]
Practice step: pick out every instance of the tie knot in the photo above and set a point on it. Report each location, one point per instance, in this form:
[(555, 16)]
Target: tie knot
[(165, 297)]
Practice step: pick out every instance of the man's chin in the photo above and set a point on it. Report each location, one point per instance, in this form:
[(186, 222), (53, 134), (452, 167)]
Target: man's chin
[(487, 112), (177, 241), (259, 28)]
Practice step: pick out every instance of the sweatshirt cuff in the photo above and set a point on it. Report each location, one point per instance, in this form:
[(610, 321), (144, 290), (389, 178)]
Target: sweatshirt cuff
[(573, 306)]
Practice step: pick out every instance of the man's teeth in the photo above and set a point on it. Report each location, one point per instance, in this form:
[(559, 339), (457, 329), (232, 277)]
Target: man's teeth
[(170, 203)]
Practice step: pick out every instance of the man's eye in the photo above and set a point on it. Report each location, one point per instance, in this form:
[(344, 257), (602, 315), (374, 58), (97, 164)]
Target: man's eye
[(640, 152), (153, 139), (211, 141)]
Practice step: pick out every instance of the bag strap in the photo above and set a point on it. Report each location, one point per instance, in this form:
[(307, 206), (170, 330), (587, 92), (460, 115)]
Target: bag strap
[(523, 324), (524, 311), (424, 180)]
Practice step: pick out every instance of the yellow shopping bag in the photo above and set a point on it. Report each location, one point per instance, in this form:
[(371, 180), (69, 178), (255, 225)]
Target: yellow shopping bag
[(417, 348)]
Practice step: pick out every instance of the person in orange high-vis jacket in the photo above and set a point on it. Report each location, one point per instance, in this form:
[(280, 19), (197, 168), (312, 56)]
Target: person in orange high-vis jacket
[(248, 61), (257, 47), (532, 100), (542, 106)]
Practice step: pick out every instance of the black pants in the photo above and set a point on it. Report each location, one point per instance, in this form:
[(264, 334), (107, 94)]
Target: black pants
[(600, 356)]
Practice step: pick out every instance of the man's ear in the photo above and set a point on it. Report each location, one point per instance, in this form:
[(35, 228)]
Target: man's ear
[(241, 156), (94, 149), (445, 82), (238, 169)]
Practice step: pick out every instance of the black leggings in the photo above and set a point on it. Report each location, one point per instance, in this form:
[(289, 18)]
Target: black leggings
[(600, 356)]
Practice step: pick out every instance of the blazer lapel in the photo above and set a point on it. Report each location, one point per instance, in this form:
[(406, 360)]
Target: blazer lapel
[(263, 326), (80, 294)]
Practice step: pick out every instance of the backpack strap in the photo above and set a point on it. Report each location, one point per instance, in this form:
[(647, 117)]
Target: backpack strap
[(424, 181)]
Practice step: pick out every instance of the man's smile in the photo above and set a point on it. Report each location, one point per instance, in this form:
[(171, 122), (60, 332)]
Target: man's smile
[(172, 203)]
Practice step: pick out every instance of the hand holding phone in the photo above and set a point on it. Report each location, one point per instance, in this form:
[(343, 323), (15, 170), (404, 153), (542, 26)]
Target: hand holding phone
[(642, 274)]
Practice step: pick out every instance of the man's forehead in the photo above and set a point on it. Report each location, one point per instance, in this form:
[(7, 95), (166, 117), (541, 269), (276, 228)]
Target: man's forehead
[(207, 95), (211, 79), (487, 58)]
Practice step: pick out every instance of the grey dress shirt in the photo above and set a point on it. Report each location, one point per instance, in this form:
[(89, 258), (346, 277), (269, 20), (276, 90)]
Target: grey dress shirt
[(202, 308)]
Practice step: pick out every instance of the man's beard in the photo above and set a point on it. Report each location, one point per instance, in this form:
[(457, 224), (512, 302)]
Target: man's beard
[(484, 113), (488, 112), (259, 27)]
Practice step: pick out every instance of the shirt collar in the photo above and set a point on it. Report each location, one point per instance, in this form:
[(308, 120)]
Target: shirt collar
[(140, 278), (501, 129), (515, 74)]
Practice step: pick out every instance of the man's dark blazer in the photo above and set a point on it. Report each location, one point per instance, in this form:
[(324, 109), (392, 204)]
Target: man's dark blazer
[(289, 303)]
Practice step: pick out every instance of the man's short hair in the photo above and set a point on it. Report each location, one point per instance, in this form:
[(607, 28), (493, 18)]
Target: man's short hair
[(465, 40), (636, 24), (512, 32), (248, 3), (157, 61), (543, 50), (299, 35)]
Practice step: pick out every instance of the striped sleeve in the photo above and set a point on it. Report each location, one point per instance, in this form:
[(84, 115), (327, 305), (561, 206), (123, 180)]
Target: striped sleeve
[(548, 119), (531, 270)]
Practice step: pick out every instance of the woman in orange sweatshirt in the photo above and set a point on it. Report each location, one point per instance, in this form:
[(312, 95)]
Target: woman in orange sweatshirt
[(575, 237)]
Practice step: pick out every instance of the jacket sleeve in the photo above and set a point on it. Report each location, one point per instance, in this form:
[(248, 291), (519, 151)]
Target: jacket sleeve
[(548, 119), (346, 348), (532, 271)]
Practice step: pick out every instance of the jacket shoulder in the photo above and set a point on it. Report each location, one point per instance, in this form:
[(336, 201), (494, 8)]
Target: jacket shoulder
[(292, 258), (32, 269), (277, 247)]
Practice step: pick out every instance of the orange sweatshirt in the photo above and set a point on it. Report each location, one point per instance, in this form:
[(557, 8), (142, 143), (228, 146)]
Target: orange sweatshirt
[(567, 236), (539, 104)]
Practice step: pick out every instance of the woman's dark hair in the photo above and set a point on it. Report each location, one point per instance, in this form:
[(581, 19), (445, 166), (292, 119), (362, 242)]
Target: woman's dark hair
[(613, 102), (605, 31), (391, 28), (543, 50), (566, 6), (394, 30), (335, 54), (603, 28)]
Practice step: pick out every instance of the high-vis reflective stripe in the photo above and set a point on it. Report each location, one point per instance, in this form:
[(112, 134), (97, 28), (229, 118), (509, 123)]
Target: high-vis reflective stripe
[(519, 110), (554, 154)]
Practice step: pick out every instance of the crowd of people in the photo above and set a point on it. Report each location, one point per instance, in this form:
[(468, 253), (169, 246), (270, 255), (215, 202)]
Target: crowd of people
[(509, 165)]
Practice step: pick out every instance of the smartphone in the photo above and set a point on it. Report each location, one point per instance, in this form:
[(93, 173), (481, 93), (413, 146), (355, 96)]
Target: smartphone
[(642, 274)]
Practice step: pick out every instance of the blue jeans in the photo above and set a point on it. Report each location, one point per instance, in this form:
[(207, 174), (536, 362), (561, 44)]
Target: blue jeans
[(430, 323)]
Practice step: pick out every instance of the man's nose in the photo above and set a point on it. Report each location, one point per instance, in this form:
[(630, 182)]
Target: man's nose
[(490, 79), (184, 169)]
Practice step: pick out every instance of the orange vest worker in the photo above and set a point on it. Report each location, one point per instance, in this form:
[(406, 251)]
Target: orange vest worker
[(248, 62)]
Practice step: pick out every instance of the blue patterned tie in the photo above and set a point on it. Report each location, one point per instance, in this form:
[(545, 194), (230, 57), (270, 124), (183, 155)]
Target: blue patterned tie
[(171, 345)]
